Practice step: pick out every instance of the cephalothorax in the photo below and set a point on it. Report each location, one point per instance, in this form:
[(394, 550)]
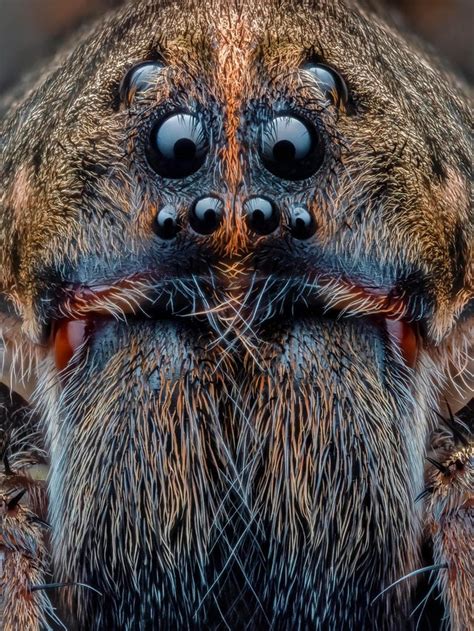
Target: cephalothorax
[(236, 263)]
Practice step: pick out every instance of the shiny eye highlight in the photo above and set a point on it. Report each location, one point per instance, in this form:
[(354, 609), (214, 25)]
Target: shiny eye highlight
[(291, 148), (330, 83), (177, 146), (138, 79)]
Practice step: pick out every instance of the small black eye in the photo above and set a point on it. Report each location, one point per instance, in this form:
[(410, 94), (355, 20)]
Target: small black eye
[(330, 82), (166, 223), (262, 215), (291, 148), (138, 79), (302, 223), (178, 146), (206, 214)]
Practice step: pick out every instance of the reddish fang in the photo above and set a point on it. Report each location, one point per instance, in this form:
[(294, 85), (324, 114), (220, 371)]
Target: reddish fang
[(88, 303), (403, 335), (68, 337)]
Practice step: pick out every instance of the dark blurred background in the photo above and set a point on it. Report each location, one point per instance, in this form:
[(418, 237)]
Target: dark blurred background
[(31, 29)]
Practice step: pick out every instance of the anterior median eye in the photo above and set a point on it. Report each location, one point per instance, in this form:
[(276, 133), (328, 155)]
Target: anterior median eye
[(291, 148), (177, 146)]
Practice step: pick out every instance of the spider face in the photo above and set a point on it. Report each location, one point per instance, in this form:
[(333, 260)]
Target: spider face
[(240, 184), (240, 257)]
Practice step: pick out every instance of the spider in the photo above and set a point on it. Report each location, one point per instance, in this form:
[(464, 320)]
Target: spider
[(236, 291)]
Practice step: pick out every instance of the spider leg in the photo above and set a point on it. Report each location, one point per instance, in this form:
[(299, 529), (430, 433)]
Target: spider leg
[(450, 518), (24, 555)]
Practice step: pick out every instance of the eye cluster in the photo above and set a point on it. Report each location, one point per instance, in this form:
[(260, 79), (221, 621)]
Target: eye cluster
[(262, 216), (290, 146)]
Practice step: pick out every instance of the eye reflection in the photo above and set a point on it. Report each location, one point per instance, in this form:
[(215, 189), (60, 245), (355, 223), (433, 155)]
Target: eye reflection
[(138, 79), (330, 82), (302, 223), (166, 223), (291, 148), (177, 146)]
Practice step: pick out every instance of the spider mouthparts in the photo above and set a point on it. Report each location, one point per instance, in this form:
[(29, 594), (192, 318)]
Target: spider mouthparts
[(404, 338), (68, 337)]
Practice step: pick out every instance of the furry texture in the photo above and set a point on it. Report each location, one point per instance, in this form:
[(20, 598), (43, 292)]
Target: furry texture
[(243, 463), (450, 520), (24, 559)]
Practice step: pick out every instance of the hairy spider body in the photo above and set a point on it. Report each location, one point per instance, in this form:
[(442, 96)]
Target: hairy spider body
[(240, 343)]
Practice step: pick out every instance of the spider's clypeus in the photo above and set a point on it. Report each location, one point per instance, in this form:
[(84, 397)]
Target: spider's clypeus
[(236, 307)]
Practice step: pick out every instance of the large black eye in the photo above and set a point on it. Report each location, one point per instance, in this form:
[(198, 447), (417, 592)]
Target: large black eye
[(291, 148), (177, 146), (138, 79), (330, 82)]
